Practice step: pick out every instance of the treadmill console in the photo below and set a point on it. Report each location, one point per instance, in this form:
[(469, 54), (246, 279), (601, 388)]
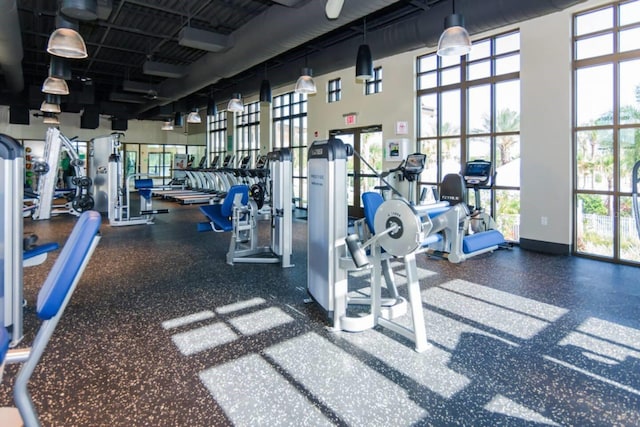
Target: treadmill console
[(477, 172)]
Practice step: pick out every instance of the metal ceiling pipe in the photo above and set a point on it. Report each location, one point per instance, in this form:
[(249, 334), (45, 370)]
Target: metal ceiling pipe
[(417, 32), (287, 28), (11, 46)]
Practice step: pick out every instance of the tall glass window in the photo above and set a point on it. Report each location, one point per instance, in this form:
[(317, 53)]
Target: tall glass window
[(248, 132), (217, 137), (290, 130), (606, 133), (469, 108)]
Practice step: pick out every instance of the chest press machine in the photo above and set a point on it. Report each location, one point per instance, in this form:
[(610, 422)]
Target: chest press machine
[(329, 262)]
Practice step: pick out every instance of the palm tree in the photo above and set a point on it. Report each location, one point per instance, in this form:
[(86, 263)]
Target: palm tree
[(507, 120)]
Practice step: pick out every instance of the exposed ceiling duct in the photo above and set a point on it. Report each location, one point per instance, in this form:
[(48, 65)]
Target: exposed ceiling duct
[(11, 46), (271, 33), (418, 31)]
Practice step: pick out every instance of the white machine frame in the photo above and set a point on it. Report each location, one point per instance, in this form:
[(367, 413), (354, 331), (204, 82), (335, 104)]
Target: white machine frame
[(11, 235), (328, 262), (54, 142)]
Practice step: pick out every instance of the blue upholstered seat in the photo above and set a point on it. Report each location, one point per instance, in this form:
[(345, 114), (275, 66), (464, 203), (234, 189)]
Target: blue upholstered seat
[(52, 300), (39, 250), (482, 240), (220, 215), (144, 187), (371, 201)]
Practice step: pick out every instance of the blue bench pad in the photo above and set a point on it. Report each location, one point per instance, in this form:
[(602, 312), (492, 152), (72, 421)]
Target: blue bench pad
[(40, 249), (478, 241)]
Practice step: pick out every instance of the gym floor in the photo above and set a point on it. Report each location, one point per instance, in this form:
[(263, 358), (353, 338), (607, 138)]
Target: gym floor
[(162, 332)]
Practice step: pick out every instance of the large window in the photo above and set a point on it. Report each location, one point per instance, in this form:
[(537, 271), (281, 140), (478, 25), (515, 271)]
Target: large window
[(606, 129), (290, 130), (248, 132), (217, 136), (469, 108)]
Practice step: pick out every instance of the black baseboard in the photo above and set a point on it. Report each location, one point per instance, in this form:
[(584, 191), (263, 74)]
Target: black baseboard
[(545, 247)]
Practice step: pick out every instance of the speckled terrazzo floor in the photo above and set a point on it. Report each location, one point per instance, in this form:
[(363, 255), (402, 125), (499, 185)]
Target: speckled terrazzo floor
[(162, 332)]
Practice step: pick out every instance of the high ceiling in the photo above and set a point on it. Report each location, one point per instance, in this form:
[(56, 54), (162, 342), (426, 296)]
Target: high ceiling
[(258, 38)]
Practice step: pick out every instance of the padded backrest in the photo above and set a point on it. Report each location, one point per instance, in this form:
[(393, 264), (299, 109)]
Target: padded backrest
[(143, 183), (64, 271), (227, 204), (453, 189), (4, 343), (371, 201)]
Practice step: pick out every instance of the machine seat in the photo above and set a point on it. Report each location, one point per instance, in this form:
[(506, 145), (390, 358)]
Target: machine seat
[(144, 187), (52, 301), (220, 215), (39, 250), (483, 240)]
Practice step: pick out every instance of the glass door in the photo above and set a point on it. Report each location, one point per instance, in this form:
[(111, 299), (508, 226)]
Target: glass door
[(367, 144)]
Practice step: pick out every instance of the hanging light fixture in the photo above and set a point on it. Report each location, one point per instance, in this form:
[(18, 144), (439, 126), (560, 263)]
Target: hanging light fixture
[(364, 62), (65, 41), (235, 103), (55, 86), (178, 120), (265, 87), (50, 119), (51, 104), (305, 83), (194, 116), (455, 40), (332, 8), (167, 125), (212, 108)]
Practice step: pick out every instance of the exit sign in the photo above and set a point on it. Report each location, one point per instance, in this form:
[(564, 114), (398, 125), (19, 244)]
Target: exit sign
[(350, 119)]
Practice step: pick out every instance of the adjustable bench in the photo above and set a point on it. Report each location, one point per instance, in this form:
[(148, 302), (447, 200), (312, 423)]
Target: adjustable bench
[(52, 300)]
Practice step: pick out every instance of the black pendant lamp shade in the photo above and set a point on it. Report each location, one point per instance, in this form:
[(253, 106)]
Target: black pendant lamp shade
[(265, 91), (212, 108), (178, 120), (59, 67), (364, 63)]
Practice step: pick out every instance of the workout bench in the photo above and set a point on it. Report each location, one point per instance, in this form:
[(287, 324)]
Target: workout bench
[(52, 301)]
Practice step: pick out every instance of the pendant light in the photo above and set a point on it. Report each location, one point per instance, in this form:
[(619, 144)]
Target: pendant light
[(265, 87), (167, 125), (65, 41), (50, 119), (178, 120), (364, 62), (194, 116), (55, 86), (305, 83), (332, 8), (51, 104), (212, 108), (235, 103), (455, 40)]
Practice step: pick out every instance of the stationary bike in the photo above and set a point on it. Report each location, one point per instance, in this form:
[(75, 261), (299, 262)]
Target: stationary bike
[(478, 174)]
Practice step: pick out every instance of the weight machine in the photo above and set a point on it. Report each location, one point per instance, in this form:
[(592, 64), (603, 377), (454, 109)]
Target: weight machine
[(239, 213), (328, 262), (81, 200), (119, 197)]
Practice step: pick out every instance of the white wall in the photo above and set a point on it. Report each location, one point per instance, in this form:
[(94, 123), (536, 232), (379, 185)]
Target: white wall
[(139, 131)]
